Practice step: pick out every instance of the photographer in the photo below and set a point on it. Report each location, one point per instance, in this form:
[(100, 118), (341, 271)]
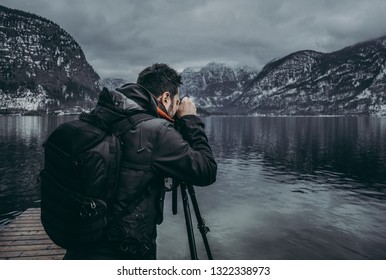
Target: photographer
[(151, 151)]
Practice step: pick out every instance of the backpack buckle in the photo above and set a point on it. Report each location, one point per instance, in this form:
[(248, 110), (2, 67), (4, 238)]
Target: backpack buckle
[(88, 209)]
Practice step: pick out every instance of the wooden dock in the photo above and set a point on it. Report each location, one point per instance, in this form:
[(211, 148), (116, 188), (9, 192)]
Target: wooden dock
[(25, 239)]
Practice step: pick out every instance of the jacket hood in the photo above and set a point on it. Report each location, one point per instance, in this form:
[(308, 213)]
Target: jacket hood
[(130, 98), (141, 96)]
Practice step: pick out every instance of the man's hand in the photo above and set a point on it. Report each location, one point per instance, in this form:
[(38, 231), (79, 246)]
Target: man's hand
[(186, 107)]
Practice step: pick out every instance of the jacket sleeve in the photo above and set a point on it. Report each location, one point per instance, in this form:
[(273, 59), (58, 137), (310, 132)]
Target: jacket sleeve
[(185, 154)]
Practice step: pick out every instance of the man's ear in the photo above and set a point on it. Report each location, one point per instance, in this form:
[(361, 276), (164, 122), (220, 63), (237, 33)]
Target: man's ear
[(165, 98)]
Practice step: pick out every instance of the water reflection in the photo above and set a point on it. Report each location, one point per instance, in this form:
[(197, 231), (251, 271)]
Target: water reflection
[(21, 140), (306, 148), (287, 188), (293, 188)]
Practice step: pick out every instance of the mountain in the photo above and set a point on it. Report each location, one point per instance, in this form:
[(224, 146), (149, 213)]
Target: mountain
[(348, 81), (42, 66), (44, 69), (212, 86), (216, 85)]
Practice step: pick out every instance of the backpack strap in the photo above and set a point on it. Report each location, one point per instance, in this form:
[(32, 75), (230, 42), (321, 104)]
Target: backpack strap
[(118, 128), (123, 125)]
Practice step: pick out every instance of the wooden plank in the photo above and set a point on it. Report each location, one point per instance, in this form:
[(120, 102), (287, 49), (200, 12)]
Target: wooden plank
[(25, 238), (21, 227), (32, 210), (48, 253), (17, 242), (24, 222), (27, 218), (52, 257), (28, 247), (20, 233)]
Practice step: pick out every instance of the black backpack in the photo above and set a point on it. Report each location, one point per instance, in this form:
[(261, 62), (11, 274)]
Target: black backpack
[(78, 181)]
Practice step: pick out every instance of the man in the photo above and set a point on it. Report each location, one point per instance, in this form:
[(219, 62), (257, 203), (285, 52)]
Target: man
[(152, 151)]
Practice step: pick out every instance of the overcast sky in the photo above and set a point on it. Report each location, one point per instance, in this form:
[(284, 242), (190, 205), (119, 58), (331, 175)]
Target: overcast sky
[(121, 37)]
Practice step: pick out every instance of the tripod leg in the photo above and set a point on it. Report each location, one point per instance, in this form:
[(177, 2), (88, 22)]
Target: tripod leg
[(188, 221), (201, 222), (174, 196)]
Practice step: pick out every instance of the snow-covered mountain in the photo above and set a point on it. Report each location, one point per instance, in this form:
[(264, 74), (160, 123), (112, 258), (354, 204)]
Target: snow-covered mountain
[(348, 81), (216, 85), (212, 87), (42, 66)]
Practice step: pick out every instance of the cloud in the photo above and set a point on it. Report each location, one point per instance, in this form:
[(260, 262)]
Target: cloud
[(121, 37)]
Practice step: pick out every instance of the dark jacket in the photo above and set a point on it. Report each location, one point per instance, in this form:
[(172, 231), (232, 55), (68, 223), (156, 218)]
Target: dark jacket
[(152, 151)]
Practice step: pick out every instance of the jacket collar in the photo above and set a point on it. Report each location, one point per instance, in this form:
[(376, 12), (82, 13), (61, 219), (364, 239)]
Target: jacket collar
[(163, 114)]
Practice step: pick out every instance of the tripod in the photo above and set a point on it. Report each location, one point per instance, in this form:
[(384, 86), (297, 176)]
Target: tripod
[(185, 189)]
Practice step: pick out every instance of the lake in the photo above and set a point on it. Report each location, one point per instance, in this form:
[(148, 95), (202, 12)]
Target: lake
[(287, 187)]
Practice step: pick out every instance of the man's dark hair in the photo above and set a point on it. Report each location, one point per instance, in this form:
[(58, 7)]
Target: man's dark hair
[(160, 78)]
